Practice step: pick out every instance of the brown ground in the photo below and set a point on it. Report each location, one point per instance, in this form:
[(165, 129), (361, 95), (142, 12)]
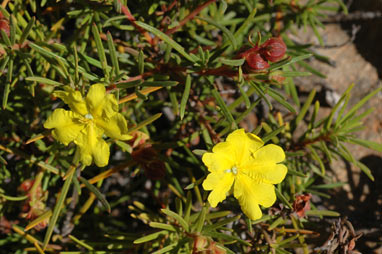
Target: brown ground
[(361, 199)]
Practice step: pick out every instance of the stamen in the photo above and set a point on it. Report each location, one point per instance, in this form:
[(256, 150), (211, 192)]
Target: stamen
[(89, 116), (232, 170)]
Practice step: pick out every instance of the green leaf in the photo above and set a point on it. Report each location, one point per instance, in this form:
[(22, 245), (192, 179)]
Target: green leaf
[(57, 209), (216, 215), (311, 69), (150, 237), (295, 74), (221, 223), (113, 54), (304, 108), (280, 99), (248, 21), (163, 83), (245, 97), (7, 88), (100, 50), (277, 222), (185, 95), (81, 243), (227, 114), (46, 52), (97, 193), (168, 40), (329, 120), (317, 158), (141, 62), (283, 198), (5, 38), (162, 226), (145, 122), (328, 185), (223, 29), (366, 143), (43, 217), (232, 62), (177, 217), (365, 169), (226, 237), (322, 213), (272, 134), (13, 25), (44, 81), (359, 104), (165, 249), (201, 219)]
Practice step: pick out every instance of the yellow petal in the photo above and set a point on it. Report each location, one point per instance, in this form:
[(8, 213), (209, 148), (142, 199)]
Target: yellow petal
[(248, 198), (73, 99), (99, 103), (114, 127), (243, 144), (221, 159), (270, 152), (263, 166), (268, 172), (66, 125), (220, 184), (92, 146)]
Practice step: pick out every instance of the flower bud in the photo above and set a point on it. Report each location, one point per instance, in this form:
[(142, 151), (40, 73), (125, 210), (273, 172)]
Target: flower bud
[(256, 62), (273, 49), (4, 25)]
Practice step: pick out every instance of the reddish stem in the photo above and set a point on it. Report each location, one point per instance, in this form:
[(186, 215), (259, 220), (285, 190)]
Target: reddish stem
[(190, 16), (131, 18)]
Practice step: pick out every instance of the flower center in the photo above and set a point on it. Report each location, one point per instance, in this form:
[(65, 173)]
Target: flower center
[(89, 116), (233, 170), (86, 119)]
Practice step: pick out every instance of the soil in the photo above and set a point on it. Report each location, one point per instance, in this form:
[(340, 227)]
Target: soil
[(360, 199)]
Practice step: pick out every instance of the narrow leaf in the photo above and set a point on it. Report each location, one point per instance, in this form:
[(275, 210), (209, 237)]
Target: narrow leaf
[(167, 39), (185, 95), (100, 50), (57, 210), (224, 108), (232, 62), (145, 122), (46, 215), (360, 104), (44, 81), (162, 226), (322, 213), (97, 193), (366, 143), (272, 134), (150, 237), (12, 29), (223, 29), (280, 99), (305, 108), (177, 217), (113, 54)]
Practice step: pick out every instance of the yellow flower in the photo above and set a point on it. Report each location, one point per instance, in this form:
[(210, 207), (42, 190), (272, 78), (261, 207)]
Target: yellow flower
[(90, 118), (252, 169)]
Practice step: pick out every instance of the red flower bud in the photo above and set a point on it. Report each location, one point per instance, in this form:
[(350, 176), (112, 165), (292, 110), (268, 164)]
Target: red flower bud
[(256, 62), (4, 25), (273, 49)]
